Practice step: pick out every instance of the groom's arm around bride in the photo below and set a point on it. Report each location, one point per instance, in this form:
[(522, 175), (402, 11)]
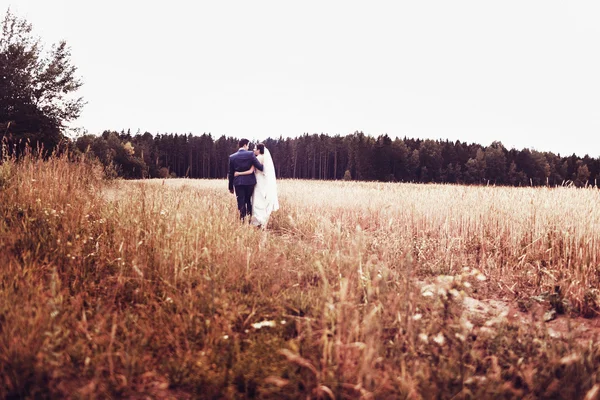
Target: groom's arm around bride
[(243, 185)]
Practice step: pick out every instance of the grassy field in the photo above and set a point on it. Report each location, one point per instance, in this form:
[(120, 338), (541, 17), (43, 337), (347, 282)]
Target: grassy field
[(154, 289)]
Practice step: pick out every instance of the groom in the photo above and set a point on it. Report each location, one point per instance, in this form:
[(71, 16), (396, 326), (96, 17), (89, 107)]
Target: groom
[(243, 184)]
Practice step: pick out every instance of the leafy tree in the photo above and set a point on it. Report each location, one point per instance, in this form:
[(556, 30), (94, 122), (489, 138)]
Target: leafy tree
[(36, 87), (475, 168), (413, 165), (114, 154), (558, 170), (495, 163), (515, 176), (400, 155), (431, 160), (583, 174), (453, 174)]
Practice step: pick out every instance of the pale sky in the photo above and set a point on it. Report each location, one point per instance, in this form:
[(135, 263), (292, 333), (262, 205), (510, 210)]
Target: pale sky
[(526, 73)]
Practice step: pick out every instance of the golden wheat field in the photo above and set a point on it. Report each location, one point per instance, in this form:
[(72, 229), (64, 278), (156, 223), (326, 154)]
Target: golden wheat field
[(154, 289)]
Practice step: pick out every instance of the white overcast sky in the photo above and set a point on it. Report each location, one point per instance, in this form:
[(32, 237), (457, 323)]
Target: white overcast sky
[(526, 73)]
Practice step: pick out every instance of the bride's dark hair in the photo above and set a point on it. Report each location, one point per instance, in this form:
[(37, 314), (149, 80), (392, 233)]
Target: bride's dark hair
[(261, 148)]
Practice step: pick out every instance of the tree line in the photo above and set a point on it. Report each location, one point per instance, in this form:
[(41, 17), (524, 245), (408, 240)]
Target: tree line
[(38, 99), (352, 157)]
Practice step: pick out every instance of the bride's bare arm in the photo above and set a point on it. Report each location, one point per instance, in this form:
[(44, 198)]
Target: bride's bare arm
[(250, 171)]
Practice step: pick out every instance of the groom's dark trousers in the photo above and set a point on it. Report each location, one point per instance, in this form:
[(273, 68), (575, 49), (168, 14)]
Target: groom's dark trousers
[(243, 193), (243, 184)]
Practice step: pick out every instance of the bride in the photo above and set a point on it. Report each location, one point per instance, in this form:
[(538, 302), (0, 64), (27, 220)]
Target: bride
[(264, 198)]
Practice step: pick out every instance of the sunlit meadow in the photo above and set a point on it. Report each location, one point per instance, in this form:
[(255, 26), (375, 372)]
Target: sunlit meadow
[(154, 289)]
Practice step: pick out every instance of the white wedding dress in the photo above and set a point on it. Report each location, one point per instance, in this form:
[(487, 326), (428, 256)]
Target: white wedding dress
[(264, 199)]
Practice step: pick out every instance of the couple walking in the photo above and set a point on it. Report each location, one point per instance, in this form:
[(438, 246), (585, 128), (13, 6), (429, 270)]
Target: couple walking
[(252, 179)]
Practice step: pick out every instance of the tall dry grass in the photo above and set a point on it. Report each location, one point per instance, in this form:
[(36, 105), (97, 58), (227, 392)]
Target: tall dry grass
[(154, 289), (529, 240)]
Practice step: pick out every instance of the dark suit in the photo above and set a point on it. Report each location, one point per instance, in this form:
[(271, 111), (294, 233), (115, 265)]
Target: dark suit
[(243, 184)]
